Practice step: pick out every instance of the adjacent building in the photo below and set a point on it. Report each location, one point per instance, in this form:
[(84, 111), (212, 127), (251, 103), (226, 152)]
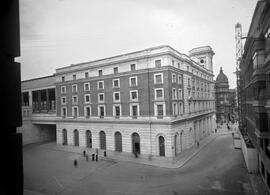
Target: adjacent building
[(225, 99), (255, 88), (153, 102)]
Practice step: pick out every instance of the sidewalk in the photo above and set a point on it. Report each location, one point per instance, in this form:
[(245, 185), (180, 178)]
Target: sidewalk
[(176, 162)]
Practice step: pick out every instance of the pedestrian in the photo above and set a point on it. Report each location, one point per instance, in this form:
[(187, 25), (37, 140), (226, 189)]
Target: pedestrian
[(215, 130), (198, 144), (96, 157), (233, 134), (75, 163), (93, 157), (105, 154), (135, 154), (84, 153)]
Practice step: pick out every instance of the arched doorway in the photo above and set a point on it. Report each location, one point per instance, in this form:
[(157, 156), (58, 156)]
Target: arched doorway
[(161, 142), (136, 143), (88, 139), (118, 141), (102, 139), (181, 140), (191, 137), (76, 137), (176, 143), (64, 136)]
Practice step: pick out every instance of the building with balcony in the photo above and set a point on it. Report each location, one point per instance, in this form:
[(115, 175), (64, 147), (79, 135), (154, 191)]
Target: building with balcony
[(225, 99), (153, 102), (255, 88), (38, 110)]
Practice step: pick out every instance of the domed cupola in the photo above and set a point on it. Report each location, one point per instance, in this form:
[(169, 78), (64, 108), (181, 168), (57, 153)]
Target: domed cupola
[(221, 78)]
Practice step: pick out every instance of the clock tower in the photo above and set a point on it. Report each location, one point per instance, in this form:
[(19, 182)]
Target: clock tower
[(203, 56)]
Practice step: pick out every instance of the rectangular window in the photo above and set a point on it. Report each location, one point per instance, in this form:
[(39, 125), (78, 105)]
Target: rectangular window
[(188, 68), (173, 78), (74, 77), (100, 85), (180, 108), (179, 65), (116, 96), (99, 72), (101, 110), (117, 110), (132, 67), (63, 79), (133, 81), (174, 94), (158, 63), (63, 89), (74, 99), (64, 112), (174, 106), (188, 82), (135, 110), (116, 83), (86, 74), (75, 111), (180, 79), (87, 99), (86, 86), (160, 111), (180, 94), (172, 62), (115, 70), (74, 88), (87, 111), (159, 94), (134, 95), (158, 78), (101, 97), (63, 100)]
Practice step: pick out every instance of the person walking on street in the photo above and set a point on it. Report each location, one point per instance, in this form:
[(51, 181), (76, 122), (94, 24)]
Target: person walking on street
[(75, 163)]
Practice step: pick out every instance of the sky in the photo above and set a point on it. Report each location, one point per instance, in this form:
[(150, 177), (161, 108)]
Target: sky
[(57, 33)]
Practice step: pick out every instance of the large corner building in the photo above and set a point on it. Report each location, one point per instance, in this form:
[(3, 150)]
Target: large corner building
[(155, 102)]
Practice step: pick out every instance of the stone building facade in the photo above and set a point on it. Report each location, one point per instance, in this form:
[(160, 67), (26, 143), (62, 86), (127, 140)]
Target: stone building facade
[(255, 88), (155, 102)]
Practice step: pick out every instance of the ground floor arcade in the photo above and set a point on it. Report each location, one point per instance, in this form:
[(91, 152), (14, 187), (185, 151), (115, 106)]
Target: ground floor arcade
[(156, 139)]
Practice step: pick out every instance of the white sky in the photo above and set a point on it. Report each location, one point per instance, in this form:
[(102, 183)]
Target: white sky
[(57, 33)]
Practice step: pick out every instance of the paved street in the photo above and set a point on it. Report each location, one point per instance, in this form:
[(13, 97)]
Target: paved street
[(217, 169)]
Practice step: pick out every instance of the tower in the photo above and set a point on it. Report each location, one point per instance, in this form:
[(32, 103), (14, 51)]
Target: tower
[(203, 56)]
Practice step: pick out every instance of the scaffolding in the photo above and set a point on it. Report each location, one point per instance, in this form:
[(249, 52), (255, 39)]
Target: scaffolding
[(239, 53)]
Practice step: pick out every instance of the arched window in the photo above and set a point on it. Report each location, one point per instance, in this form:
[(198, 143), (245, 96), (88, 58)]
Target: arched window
[(161, 142), (118, 141), (88, 139), (136, 143), (76, 137), (64, 133), (102, 139)]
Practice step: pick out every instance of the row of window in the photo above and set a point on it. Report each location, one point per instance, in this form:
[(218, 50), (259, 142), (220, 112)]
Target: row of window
[(193, 71), (117, 110), (133, 82), (115, 70), (159, 95), (134, 109)]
